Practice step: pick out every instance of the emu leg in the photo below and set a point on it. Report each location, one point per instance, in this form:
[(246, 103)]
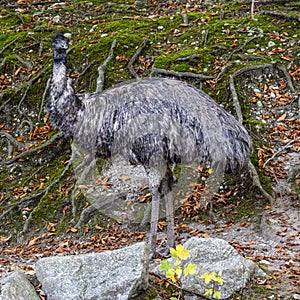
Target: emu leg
[(154, 220), (170, 220)]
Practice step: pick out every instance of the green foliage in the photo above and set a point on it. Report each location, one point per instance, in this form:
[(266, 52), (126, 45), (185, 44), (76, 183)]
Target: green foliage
[(175, 269), (211, 277)]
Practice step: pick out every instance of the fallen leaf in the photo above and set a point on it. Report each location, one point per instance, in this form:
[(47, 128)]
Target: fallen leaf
[(281, 118), (124, 178)]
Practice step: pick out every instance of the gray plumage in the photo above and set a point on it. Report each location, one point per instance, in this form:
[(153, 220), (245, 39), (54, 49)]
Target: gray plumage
[(153, 122)]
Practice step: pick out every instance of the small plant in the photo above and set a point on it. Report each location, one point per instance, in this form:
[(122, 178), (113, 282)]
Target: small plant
[(212, 277), (175, 270)]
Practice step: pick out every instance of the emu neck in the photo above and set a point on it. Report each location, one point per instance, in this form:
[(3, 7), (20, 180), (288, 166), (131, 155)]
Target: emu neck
[(63, 104)]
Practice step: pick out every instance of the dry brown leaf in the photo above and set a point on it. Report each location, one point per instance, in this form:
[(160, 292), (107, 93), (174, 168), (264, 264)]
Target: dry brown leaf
[(281, 118)]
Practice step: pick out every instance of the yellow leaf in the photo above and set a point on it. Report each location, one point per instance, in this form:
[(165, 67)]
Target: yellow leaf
[(177, 262), (190, 269), (179, 252)]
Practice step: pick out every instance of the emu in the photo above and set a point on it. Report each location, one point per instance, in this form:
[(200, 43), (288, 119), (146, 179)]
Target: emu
[(153, 122)]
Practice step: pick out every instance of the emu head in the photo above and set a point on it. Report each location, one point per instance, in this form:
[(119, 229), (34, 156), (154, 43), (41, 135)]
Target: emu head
[(60, 42)]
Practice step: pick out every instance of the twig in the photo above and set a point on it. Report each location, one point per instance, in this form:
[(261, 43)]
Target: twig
[(180, 74), (135, 57), (7, 45), (19, 17), (28, 122), (280, 15), (101, 68), (32, 150), (280, 150)]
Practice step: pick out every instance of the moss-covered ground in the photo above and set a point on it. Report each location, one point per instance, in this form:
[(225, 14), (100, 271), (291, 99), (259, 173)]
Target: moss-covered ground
[(223, 35)]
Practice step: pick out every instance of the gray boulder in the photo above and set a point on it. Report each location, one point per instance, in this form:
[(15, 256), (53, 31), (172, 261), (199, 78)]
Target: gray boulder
[(16, 286), (216, 255), (118, 274)]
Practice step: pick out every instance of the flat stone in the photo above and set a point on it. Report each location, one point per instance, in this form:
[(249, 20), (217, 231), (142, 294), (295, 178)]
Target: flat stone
[(16, 286), (118, 274)]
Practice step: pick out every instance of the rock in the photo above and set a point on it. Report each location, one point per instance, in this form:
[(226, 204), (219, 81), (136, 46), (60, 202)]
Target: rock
[(216, 255), (118, 274), (16, 286)]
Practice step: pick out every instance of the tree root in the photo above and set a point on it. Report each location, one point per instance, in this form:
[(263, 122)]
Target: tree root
[(11, 139), (237, 106), (280, 150), (281, 15), (101, 68), (43, 98), (244, 45), (30, 198), (28, 85), (2, 64), (156, 71), (257, 183), (135, 57), (7, 45), (33, 150)]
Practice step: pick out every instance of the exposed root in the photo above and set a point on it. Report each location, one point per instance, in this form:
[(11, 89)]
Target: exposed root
[(33, 150), (238, 110), (280, 15), (11, 139), (280, 150), (235, 100), (2, 64), (43, 98), (30, 198), (7, 45), (244, 45), (287, 77), (157, 71), (28, 85), (27, 64), (257, 183), (101, 68), (135, 57)]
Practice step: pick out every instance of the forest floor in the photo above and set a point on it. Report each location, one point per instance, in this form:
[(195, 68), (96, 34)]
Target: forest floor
[(253, 60)]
